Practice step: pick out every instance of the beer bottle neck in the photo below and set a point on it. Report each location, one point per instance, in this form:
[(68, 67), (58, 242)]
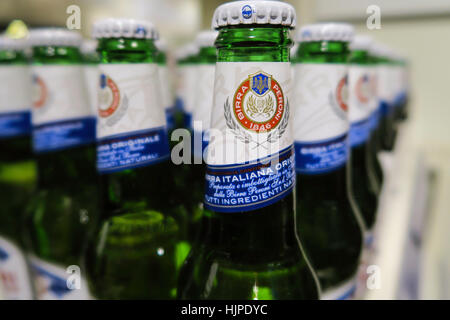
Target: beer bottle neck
[(74, 166), (56, 55), (127, 50), (134, 189), (253, 43), (360, 57), (207, 55), (12, 57), (17, 148), (322, 52), (264, 235)]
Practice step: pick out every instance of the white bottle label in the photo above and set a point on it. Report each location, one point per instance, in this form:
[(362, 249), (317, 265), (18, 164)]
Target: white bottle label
[(14, 277), (131, 125), (166, 96), (344, 291), (188, 85), (320, 117), (201, 116), (360, 102), (62, 117), (54, 282), (250, 153), (15, 101), (91, 77)]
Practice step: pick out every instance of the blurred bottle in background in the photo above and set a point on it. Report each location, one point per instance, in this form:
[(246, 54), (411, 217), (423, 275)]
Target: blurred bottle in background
[(248, 247), (385, 89), (328, 220), (135, 250), (201, 119), (364, 181), (17, 166), (63, 141)]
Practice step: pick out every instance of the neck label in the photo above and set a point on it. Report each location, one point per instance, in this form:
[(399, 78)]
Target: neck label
[(250, 154), (62, 117), (360, 103), (201, 116), (320, 122), (187, 85), (131, 125), (15, 101)]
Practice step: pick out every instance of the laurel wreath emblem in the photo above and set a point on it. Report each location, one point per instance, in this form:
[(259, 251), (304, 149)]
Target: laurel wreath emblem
[(244, 136)]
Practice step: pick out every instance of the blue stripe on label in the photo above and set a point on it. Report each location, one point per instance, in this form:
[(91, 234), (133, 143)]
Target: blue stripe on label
[(385, 108), (198, 148), (13, 124), (132, 150), (56, 285), (359, 132), (348, 294), (321, 156), (374, 119), (65, 134), (170, 118), (250, 186)]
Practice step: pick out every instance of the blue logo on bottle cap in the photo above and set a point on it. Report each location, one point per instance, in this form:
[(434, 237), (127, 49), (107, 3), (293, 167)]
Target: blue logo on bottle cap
[(247, 11)]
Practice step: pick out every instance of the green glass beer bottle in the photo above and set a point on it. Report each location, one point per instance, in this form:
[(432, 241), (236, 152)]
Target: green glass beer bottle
[(248, 247), (328, 219), (132, 253), (385, 95), (375, 130), (201, 117), (361, 104), (17, 166), (64, 145)]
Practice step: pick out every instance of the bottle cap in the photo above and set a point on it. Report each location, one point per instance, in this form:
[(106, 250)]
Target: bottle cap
[(124, 28), (7, 43), (254, 12), (326, 32), (206, 38), (361, 42), (55, 37)]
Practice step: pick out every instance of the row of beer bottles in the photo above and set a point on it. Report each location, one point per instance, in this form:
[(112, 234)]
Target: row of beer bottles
[(245, 233)]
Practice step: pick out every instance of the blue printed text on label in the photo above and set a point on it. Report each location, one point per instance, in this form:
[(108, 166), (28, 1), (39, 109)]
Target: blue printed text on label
[(321, 156), (246, 187), (63, 134), (359, 132), (14, 124), (132, 150)]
